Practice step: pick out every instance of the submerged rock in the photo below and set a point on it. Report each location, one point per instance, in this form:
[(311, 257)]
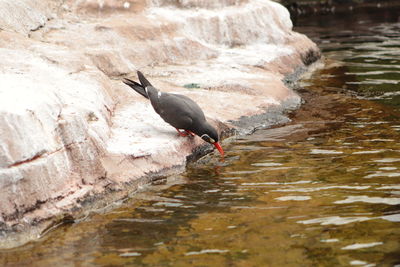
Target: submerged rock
[(71, 131)]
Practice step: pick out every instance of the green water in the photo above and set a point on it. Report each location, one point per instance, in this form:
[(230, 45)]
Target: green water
[(323, 190)]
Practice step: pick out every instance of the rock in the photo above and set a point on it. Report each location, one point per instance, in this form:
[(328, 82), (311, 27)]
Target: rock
[(71, 131), (25, 16)]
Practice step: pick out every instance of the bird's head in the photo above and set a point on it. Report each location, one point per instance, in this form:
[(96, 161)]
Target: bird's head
[(210, 135)]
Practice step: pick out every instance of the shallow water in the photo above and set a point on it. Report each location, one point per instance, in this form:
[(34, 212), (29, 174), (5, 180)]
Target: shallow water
[(323, 190)]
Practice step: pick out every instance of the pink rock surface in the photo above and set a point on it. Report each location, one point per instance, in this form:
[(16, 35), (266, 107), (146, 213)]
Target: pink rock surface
[(70, 130)]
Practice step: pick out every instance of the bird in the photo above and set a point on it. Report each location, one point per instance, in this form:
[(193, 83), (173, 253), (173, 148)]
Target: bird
[(177, 110)]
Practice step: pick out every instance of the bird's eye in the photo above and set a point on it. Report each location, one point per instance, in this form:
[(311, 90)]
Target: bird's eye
[(207, 138)]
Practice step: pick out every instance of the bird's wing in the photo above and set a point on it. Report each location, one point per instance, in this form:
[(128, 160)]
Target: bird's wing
[(179, 111), (192, 106)]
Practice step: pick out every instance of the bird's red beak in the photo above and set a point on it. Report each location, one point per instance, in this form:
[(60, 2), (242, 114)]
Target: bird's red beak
[(218, 146)]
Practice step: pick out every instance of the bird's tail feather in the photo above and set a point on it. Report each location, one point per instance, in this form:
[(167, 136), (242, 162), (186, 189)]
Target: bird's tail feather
[(136, 86), (143, 80)]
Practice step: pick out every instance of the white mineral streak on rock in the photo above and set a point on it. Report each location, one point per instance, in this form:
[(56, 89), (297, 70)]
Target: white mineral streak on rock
[(69, 128)]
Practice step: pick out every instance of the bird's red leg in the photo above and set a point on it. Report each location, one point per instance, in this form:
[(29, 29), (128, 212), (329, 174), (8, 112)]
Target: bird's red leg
[(189, 133), (183, 134)]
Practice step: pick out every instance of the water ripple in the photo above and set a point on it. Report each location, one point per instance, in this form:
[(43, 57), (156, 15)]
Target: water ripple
[(130, 254), (313, 189), (387, 160), (367, 199), (277, 183), (361, 245), (335, 220), (295, 198), (325, 151), (382, 174), (266, 164), (141, 220), (364, 263), (396, 187), (206, 251), (391, 218), (368, 152)]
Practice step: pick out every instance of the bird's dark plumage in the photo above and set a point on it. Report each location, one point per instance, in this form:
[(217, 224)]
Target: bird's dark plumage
[(178, 110)]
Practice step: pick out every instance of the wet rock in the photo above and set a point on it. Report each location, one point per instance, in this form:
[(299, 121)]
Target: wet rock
[(71, 132)]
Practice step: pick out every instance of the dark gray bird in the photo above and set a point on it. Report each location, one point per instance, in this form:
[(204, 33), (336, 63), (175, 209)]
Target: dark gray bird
[(178, 110)]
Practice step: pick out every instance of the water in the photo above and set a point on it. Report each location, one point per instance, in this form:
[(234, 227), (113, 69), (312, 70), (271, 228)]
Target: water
[(322, 190), (366, 43)]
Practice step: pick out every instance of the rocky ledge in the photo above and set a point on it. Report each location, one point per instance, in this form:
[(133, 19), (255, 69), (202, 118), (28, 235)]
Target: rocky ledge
[(74, 138)]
